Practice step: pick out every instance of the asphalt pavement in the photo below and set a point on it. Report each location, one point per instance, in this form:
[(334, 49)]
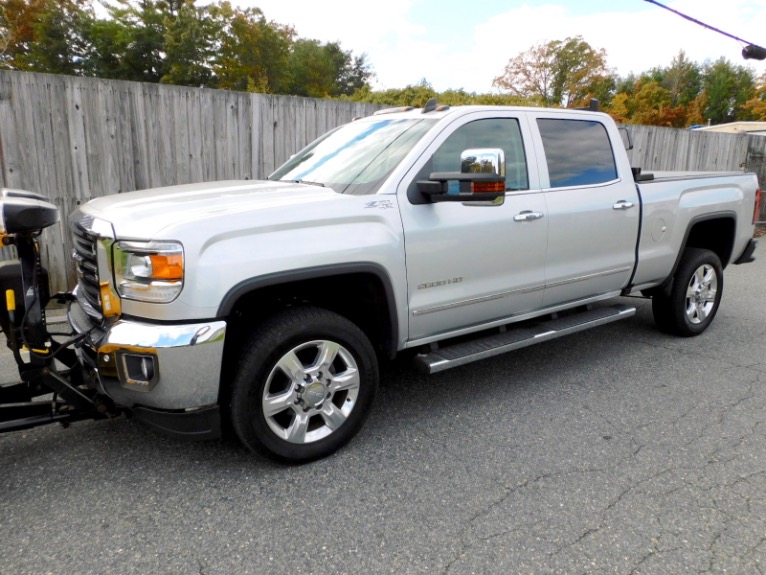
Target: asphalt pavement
[(619, 450)]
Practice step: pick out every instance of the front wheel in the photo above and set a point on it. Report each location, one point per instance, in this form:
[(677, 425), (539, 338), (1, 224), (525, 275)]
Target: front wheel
[(304, 386), (694, 296)]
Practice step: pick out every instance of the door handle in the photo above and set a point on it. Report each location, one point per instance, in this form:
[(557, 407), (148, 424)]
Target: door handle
[(527, 216), (623, 205)]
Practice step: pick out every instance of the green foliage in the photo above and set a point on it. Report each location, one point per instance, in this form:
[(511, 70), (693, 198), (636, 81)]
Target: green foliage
[(669, 96), (130, 43), (189, 46), (254, 53), (417, 95), (59, 43), (175, 41), (45, 35), (682, 79), (325, 70), (685, 94), (727, 87)]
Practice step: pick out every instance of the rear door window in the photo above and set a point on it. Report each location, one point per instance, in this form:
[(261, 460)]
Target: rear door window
[(578, 152)]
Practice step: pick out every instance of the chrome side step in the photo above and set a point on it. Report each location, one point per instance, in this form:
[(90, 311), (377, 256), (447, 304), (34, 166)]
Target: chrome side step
[(517, 337)]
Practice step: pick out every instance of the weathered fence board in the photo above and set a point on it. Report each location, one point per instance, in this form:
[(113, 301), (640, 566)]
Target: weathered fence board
[(74, 139)]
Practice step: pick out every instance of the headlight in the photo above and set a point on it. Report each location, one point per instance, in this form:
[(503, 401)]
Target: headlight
[(149, 271)]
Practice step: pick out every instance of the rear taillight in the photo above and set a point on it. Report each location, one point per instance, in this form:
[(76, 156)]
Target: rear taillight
[(757, 210)]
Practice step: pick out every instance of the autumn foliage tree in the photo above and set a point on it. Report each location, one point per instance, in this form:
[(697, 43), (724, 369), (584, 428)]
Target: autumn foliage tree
[(557, 73), (46, 34), (569, 72), (684, 94), (755, 107)]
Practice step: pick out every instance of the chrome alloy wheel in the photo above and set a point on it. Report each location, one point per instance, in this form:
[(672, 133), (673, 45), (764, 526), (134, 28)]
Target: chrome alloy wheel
[(311, 391), (701, 293)]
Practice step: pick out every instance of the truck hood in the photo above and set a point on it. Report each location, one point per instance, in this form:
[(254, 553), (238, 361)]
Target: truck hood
[(154, 213)]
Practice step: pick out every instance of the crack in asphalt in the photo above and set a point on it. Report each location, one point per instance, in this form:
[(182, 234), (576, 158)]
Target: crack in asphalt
[(712, 458)]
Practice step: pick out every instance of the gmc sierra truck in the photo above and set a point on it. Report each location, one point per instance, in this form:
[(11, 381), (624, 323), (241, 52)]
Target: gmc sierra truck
[(454, 234)]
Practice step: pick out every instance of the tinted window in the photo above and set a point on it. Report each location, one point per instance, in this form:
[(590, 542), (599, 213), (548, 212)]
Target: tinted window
[(500, 133), (578, 152)]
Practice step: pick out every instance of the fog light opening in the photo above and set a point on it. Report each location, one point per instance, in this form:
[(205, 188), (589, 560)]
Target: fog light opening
[(139, 371)]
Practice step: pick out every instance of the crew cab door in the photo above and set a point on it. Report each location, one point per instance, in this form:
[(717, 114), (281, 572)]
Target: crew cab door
[(593, 212), (469, 264)]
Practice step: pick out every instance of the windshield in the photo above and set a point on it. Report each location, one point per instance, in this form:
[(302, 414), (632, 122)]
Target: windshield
[(355, 158)]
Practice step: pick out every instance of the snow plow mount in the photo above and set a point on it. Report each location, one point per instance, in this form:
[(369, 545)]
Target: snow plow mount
[(53, 386)]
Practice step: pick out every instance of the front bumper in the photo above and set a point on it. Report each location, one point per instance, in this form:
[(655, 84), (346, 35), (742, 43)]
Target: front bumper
[(184, 361)]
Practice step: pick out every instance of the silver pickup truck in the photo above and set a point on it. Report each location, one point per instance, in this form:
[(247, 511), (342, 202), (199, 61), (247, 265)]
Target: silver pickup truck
[(454, 234)]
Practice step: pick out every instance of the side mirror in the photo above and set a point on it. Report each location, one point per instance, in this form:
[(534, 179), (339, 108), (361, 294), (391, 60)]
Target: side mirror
[(481, 179)]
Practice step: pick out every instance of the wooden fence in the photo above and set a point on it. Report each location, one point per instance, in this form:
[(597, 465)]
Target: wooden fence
[(669, 149), (73, 139)]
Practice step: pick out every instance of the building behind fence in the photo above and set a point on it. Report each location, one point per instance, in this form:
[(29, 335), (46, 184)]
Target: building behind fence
[(73, 139)]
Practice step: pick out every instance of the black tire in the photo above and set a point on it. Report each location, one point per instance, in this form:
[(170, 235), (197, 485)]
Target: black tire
[(314, 412), (695, 294)]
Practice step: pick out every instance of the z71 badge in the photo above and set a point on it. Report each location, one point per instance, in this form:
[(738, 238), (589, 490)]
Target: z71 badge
[(382, 204)]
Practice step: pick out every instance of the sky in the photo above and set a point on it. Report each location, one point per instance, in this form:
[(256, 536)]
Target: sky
[(457, 45)]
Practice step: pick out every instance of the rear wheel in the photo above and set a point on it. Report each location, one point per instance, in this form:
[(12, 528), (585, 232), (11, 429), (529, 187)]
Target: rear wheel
[(305, 384), (694, 296)]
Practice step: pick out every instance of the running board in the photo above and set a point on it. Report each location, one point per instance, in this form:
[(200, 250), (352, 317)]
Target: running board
[(516, 338)]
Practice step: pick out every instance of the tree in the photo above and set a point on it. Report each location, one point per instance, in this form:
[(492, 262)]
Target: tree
[(189, 47), (682, 79), (130, 43), (418, 94), (354, 75), (653, 105), (44, 35), (325, 70), (561, 72), (254, 53), (530, 74), (727, 87), (16, 20), (755, 107), (579, 71)]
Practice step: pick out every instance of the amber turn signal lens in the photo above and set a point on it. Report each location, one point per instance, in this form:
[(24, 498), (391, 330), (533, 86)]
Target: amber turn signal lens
[(167, 266), (488, 187)]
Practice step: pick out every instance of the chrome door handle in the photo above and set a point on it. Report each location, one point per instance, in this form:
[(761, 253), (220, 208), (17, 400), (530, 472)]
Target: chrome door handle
[(527, 216), (623, 205)]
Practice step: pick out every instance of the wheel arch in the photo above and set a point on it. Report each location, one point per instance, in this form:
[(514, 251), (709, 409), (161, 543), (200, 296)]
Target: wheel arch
[(349, 289), (714, 232)]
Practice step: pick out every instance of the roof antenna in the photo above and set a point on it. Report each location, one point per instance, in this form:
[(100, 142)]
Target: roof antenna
[(430, 106)]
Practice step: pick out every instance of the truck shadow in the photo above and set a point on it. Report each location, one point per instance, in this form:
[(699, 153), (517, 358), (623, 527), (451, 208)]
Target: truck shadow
[(407, 403)]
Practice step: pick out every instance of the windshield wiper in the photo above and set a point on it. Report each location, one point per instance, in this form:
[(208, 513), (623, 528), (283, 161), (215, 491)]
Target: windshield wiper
[(307, 182)]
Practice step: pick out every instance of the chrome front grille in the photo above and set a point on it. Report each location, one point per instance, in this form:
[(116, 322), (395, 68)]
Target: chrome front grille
[(86, 260)]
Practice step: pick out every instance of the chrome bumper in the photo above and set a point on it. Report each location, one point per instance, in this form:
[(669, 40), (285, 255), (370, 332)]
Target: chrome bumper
[(185, 361)]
